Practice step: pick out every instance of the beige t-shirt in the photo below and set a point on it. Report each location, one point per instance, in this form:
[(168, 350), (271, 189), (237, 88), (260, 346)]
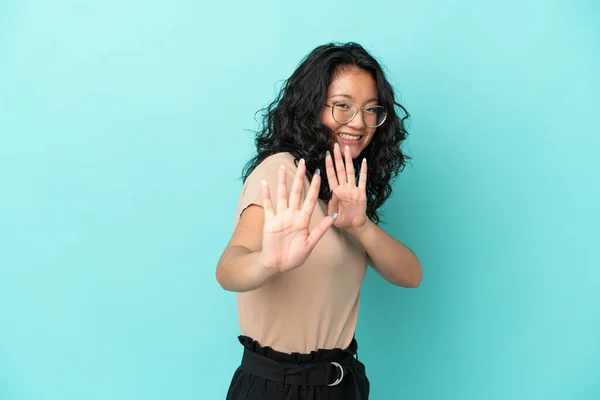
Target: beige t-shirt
[(314, 306)]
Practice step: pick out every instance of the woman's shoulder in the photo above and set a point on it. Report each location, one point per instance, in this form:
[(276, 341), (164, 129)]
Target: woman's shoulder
[(281, 157), (267, 170), (276, 160)]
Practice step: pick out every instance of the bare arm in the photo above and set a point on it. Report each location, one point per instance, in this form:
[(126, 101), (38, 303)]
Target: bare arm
[(390, 258), (395, 262), (241, 268), (269, 241)]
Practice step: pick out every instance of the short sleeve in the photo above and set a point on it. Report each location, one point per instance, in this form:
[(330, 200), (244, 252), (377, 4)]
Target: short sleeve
[(268, 170)]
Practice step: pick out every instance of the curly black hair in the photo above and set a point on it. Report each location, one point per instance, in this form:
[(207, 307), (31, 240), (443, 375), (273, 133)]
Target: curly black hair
[(292, 122)]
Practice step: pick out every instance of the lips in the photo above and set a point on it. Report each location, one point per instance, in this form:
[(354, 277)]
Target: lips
[(349, 139)]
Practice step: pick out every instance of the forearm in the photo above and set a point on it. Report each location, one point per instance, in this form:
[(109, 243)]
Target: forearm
[(242, 270), (395, 262)]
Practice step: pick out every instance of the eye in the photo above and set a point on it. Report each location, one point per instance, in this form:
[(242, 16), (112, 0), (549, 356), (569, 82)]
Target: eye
[(343, 106), (371, 110)]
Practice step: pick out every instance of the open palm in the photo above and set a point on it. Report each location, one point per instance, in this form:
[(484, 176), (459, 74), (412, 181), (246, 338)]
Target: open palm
[(287, 241), (349, 200)]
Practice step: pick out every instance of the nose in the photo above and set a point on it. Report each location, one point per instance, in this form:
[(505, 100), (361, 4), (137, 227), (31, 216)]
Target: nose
[(357, 122)]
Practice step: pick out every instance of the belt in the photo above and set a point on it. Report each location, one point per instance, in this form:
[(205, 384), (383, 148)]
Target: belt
[(325, 373)]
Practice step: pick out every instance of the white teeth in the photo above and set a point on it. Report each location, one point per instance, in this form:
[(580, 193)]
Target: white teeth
[(348, 137)]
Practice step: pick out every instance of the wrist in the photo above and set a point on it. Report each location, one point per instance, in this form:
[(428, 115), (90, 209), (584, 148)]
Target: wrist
[(262, 270), (359, 231)]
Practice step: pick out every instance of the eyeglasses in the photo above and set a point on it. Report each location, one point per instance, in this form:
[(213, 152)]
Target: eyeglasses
[(344, 112)]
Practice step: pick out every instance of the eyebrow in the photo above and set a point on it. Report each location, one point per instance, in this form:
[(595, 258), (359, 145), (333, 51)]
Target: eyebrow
[(352, 98)]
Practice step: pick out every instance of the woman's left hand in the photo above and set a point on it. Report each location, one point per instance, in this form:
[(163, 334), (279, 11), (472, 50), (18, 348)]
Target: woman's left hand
[(348, 199)]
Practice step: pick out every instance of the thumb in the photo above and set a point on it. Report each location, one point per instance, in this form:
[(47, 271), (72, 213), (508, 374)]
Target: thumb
[(332, 206)]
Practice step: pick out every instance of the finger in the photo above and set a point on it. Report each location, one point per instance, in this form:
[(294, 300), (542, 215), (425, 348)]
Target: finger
[(319, 230), (267, 205), (332, 206), (350, 174), (339, 164), (362, 179), (331, 178), (312, 195), (296, 190), (281, 190)]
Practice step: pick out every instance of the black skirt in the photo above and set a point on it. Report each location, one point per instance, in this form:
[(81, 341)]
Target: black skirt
[(266, 374)]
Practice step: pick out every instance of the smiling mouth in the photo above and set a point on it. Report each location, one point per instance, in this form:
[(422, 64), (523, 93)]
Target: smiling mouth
[(353, 138)]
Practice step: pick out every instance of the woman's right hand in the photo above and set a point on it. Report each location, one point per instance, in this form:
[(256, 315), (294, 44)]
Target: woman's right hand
[(287, 241)]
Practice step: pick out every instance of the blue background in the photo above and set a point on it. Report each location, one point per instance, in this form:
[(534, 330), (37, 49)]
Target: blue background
[(123, 130)]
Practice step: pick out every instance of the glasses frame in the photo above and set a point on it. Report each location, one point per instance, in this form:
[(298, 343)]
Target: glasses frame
[(363, 109)]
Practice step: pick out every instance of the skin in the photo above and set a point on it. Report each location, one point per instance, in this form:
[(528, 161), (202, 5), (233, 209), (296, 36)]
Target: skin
[(390, 258), (358, 87), (267, 242)]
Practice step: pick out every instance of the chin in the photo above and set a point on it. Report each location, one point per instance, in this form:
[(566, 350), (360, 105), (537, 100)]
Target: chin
[(355, 153), (355, 147)]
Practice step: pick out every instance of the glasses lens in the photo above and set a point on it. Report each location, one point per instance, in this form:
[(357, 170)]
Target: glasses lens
[(344, 112), (374, 116)]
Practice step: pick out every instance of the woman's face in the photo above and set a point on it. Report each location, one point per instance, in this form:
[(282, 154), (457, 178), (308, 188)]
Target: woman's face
[(351, 86)]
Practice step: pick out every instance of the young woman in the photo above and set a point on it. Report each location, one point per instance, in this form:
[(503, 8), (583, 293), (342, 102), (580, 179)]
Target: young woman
[(299, 252)]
